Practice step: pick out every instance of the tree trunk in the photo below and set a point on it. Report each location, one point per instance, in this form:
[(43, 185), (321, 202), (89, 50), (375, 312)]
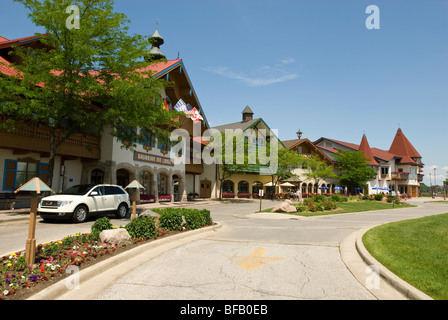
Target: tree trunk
[(53, 147)]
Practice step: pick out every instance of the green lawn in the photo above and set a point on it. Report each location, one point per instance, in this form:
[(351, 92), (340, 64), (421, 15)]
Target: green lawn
[(416, 251), (347, 207)]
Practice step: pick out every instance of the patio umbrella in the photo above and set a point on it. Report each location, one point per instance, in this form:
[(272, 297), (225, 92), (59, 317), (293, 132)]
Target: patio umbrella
[(338, 188), (269, 184), (323, 187), (287, 184)]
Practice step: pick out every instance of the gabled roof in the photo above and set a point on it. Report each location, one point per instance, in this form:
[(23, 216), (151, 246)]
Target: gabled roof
[(245, 126), (238, 125), (378, 154), (364, 147), (290, 144), (402, 147), (159, 69)]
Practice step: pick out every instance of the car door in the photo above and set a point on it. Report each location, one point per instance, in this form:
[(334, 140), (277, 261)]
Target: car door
[(97, 199), (112, 200)]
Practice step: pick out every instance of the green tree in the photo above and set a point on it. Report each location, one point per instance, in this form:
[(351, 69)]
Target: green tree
[(230, 155), (354, 169), (287, 162), (318, 170), (84, 80)]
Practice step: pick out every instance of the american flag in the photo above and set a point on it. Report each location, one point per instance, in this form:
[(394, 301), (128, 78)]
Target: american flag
[(180, 106)]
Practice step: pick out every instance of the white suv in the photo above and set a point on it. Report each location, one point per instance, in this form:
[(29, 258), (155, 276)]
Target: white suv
[(79, 201)]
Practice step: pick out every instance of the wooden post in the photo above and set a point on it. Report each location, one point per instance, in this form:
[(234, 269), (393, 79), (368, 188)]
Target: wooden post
[(30, 248), (134, 209)]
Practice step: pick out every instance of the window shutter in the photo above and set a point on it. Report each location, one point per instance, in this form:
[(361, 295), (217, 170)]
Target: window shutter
[(44, 170), (9, 182)]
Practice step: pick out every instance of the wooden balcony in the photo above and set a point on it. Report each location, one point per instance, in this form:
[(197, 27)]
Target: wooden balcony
[(37, 139), (420, 177), (192, 168), (399, 175)]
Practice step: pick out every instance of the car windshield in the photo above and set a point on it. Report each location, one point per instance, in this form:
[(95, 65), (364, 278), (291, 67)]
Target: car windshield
[(78, 190)]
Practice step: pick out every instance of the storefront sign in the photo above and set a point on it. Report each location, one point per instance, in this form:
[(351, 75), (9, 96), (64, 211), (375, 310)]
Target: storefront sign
[(145, 157)]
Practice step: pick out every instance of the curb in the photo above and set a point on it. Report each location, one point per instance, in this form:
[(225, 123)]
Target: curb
[(396, 282), (117, 266)]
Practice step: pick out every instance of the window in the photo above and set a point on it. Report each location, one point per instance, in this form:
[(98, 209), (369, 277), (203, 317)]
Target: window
[(299, 150), (384, 171), (256, 187), (97, 176), (110, 190), (243, 187), (18, 172), (146, 181), (227, 186), (163, 184)]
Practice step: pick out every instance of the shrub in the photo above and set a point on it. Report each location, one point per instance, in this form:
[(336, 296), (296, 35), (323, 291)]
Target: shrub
[(335, 197), (319, 198), (329, 205), (99, 225), (171, 218), (301, 207), (142, 227), (378, 197)]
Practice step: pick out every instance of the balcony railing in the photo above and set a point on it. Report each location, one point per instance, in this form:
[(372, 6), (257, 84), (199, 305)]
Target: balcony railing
[(400, 175), (38, 140)]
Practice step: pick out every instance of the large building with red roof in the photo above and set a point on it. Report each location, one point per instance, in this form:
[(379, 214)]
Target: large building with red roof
[(83, 159), (399, 169)]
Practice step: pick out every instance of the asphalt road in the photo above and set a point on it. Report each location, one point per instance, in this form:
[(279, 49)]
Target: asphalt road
[(256, 256), (253, 256)]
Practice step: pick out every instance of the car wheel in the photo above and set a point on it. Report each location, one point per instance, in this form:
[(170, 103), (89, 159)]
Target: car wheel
[(122, 211), (80, 214)]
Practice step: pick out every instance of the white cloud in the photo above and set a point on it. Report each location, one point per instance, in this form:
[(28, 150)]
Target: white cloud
[(263, 76)]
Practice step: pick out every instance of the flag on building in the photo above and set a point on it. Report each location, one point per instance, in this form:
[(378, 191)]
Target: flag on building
[(180, 106), (193, 114)]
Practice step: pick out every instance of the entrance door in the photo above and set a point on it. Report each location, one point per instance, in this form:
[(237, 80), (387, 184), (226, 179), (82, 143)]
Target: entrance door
[(206, 189), (123, 177)]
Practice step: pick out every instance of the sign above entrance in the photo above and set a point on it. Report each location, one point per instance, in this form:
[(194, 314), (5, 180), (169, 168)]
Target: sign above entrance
[(145, 157)]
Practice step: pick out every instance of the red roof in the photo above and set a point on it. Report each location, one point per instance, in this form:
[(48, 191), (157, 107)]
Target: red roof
[(5, 67), (402, 147), (161, 67), (364, 147), (3, 39), (9, 43)]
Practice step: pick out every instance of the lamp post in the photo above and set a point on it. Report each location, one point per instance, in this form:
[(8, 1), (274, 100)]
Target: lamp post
[(35, 186), (134, 186)]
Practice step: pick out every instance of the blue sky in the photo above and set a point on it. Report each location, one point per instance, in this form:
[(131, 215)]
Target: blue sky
[(309, 65)]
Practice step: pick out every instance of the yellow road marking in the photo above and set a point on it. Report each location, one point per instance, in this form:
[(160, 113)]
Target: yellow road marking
[(256, 260)]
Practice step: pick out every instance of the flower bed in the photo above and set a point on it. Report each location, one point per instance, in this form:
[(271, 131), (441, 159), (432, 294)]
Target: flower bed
[(243, 195), (228, 195), (55, 260), (147, 197)]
